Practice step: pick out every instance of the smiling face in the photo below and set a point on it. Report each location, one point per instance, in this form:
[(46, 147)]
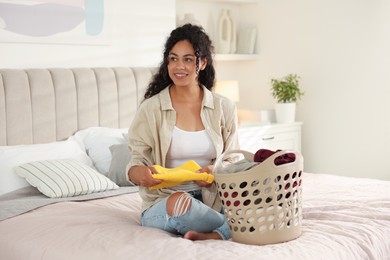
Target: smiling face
[(182, 67)]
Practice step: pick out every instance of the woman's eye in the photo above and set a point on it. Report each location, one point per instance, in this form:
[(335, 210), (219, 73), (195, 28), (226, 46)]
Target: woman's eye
[(172, 58), (188, 59)]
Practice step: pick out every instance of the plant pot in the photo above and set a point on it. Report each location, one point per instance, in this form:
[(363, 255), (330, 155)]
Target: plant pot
[(285, 112)]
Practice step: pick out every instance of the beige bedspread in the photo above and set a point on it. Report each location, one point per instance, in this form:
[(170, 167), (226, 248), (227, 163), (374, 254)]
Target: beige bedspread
[(344, 218)]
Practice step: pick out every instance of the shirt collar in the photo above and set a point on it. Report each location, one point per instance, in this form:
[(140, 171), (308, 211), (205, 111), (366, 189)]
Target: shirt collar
[(166, 103), (208, 98)]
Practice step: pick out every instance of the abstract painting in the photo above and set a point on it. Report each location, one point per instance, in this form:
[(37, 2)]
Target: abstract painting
[(54, 21)]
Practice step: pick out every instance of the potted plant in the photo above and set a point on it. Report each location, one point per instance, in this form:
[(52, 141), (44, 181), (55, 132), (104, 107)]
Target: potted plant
[(286, 91)]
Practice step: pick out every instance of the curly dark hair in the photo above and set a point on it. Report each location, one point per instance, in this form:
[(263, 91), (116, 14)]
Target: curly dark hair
[(203, 47)]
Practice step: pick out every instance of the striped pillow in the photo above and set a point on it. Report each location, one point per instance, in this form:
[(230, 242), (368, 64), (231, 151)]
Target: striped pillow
[(64, 178)]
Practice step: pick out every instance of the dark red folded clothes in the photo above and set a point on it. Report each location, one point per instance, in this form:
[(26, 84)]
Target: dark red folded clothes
[(263, 154)]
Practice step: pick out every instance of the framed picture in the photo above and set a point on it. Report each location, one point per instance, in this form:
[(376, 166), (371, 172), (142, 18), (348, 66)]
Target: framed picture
[(56, 21)]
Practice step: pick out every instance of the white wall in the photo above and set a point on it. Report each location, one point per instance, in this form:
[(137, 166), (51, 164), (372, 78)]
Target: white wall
[(139, 30), (341, 50)]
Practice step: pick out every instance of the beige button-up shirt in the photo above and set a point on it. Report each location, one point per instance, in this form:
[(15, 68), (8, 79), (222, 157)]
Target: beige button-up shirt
[(151, 131)]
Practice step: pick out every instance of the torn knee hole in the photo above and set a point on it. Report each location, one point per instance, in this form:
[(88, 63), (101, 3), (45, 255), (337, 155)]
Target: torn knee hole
[(182, 205)]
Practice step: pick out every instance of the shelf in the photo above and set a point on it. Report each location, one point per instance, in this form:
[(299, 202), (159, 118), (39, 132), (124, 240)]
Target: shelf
[(202, 10), (230, 1), (235, 57), (237, 1)]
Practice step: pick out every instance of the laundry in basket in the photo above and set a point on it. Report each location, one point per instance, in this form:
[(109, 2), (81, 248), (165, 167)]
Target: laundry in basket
[(262, 205)]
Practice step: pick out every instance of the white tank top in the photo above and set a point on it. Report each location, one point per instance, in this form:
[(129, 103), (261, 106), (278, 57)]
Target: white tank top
[(189, 145)]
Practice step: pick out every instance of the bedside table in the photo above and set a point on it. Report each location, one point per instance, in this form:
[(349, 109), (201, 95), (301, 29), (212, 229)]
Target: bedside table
[(270, 136)]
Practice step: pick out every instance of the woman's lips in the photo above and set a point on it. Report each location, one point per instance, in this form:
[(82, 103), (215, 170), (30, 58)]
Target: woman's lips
[(180, 75)]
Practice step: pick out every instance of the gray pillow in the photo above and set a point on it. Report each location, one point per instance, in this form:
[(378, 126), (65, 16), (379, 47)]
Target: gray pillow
[(120, 158)]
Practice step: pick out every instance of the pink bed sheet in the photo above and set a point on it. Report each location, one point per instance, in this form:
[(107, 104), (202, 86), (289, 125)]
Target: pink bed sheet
[(343, 218)]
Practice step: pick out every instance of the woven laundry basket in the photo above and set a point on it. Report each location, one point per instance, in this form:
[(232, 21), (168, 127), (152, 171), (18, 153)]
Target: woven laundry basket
[(263, 205)]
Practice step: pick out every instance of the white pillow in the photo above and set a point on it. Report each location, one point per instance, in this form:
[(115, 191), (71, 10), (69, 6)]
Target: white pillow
[(12, 156), (97, 142), (64, 178)]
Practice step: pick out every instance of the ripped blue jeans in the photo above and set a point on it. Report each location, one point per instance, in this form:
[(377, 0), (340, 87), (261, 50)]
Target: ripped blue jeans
[(199, 218)]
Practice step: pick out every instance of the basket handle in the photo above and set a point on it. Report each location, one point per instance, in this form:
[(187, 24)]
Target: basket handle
[(219, 160), (270, 161)]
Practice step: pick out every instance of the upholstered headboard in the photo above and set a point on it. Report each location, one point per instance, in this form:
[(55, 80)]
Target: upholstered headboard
[(45, 105)]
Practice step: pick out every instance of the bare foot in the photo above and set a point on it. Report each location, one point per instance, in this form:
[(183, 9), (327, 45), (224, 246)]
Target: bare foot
[(193, 235)]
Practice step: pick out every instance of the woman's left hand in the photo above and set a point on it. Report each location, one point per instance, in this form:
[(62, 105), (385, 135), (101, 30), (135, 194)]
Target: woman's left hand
[(206, 169)]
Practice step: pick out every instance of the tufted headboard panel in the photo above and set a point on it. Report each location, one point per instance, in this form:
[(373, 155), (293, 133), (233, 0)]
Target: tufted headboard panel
[(46, 105)]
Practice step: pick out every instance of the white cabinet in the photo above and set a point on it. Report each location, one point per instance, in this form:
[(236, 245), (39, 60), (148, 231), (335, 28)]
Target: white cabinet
[(207, 13), (272, 136)]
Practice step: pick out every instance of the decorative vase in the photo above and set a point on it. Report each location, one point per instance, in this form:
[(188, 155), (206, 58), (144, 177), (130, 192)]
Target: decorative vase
[(224, 32), (285, 112), (233, 42), (188, 18), (246, 40)]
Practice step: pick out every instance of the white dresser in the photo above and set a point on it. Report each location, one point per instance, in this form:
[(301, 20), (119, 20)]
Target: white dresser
[(271, 136)]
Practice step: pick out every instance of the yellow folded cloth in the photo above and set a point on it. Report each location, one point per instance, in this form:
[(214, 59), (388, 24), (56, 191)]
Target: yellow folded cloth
[(183, 173)]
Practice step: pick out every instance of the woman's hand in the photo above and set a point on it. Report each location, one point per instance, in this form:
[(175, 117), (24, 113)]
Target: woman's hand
[(142, 176), (207, 169)]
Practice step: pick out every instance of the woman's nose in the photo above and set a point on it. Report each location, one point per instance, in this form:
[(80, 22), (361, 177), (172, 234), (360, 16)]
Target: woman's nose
[(180, 64)]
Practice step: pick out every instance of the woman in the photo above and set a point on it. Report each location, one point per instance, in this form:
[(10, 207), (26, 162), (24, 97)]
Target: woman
[(180, 120)]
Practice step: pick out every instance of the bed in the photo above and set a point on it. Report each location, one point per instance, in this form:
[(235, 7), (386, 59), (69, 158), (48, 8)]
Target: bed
[(79, 118)]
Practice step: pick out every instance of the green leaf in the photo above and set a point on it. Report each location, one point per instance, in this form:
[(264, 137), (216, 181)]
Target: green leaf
[(286, 89)]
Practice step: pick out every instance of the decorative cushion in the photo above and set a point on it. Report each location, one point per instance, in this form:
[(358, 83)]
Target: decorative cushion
[(120, 158), (12, 156), (64, 178)]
